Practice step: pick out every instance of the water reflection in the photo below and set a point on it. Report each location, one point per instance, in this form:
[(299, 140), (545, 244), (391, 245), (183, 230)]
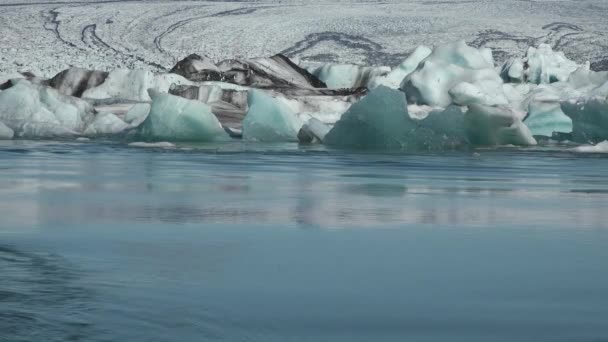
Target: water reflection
[(131, 185)]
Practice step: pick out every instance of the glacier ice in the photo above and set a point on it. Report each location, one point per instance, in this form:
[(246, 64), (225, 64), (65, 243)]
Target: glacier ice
[(106, 124), (160, 144), (173, 118), (34, 111), (381, 121), (337, 76), (589, 118), (394, 78), (545, 114), (5, 132), (133, 85), (313, 131), (137, 114), (489, 126), (448, 66), (269, 119), (601, 147)]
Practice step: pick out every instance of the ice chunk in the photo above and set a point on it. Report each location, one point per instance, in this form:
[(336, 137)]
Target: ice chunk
[(313, 131), (589, 118), (547, 66), (601, 147), (545, 114), (381, 121), (447, 67), (269, 119), (105, 123), (5, 132), (489, 126), (160, 144), (133, 85), (338, 76), (35, 111), (173, 118), (396, 76), (137, 114), (378, 121)]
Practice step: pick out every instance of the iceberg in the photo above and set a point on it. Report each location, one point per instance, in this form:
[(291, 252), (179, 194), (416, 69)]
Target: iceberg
[(381, 121), (545, 114), (313, 131), (173, 118), (5, 132), (106, 124), (601, 147), (447, 67), (269, 119), (137, 114), (34, 111), (394, 78), (589, 119), (489, 126), (338, 76), (133, 85)]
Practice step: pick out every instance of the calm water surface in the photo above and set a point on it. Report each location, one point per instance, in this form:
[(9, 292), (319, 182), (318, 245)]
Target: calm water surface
[(104, 242)]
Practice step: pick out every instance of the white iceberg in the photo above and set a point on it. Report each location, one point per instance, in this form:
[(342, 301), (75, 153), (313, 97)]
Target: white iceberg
[(446, 69), (173, 118), (337, 76), (34, 111), (601, 147), (394, 78), (137, 114), (106, 124), (269, 119), (133, 85)]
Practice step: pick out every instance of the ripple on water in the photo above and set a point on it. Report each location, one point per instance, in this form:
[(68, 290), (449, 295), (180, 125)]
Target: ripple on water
[(40, 299)]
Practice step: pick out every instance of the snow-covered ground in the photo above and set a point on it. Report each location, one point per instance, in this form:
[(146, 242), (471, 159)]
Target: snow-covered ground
[(46, 37)]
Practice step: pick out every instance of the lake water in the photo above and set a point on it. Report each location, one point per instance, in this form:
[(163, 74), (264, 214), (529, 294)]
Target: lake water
[(104, 242)]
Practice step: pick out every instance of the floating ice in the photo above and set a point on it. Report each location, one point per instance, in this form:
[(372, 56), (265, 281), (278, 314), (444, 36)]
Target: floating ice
[(338, 76), (5, 132), (269, 119), (489, 126), (545, 114), (133, 85), (601, 147), (313, 131), (173, 118), (547, 66), (447, 67), (394, 78), (160, 144), (34, 111), (106, 124), (137, 114), (381, 121), (589, 119)]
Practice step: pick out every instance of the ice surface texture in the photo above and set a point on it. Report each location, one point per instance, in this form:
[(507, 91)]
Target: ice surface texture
[(173, 118)]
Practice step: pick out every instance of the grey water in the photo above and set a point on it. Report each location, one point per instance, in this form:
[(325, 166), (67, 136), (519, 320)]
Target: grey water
[(105, 242)]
